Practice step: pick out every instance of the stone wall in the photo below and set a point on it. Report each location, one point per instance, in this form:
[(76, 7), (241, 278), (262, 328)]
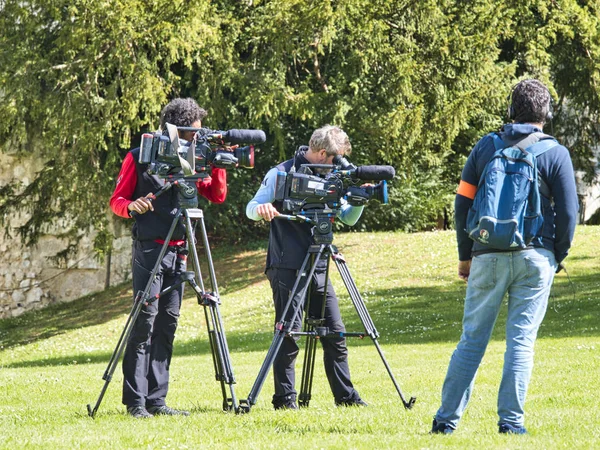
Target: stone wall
[(589, 199), (29, 279)]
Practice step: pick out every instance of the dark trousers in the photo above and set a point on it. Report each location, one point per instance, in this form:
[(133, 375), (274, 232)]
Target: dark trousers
[(335, 353), (148, 353)]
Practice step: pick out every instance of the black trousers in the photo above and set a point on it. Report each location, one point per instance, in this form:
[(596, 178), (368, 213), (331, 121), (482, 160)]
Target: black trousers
[(150, 347), (335, 353)]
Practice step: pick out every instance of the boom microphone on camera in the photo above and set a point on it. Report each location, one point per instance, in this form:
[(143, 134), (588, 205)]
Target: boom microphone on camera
[(244, 136), (374, 173)]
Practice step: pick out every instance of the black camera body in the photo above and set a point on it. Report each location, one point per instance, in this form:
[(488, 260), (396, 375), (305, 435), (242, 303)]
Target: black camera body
[(167, 154), (304, 190)]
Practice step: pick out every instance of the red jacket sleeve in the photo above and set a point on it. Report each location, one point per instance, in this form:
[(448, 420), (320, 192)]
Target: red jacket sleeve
[(123, 193), (214, 188)]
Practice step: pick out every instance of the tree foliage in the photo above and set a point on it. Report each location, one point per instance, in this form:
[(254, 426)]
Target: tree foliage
[(414, 84)]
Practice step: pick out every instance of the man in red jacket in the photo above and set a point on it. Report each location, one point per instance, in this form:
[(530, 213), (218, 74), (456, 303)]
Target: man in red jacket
[(148, 353)]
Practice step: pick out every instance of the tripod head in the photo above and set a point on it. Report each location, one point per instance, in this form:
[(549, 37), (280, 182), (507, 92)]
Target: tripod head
[(187, 190), (322, 222), (187, 193)]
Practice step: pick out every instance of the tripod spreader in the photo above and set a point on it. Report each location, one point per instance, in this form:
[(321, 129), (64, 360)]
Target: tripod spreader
[(320, 332)]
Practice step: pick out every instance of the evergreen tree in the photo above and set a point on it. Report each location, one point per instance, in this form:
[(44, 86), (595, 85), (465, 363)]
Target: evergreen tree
[(414, 83)]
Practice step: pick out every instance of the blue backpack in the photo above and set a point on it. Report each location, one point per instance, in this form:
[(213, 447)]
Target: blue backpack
[(506, 212)]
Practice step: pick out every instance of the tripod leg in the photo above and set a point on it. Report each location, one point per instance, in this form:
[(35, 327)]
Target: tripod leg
[(282, 328), (219, 331), (308, 368), (365, 318), (311, 344), (214, 322), (116, 355), (141, 298), (221, 357)]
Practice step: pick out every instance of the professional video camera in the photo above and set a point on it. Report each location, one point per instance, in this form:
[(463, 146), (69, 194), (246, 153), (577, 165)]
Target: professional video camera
[(167, 154), (307, 189)]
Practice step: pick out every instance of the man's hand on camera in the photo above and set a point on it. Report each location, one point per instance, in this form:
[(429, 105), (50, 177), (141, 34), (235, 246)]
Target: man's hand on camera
[(464, 269), (267, 211), (141, 205)]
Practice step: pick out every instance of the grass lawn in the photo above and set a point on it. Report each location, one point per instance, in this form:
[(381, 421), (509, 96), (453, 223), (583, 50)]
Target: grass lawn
[(52, 361)]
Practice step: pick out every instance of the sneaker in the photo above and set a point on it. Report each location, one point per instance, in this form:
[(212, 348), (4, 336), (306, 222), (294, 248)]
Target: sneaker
[(138, 412), (507, 428), (354, 402), (166, 411), (441, 428)]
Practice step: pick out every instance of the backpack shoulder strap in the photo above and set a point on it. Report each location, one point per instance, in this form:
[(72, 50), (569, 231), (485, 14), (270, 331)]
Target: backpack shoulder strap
[(536, 150), (529, 140), (498, 142), (541, 147), (526, 143), (536, 143)]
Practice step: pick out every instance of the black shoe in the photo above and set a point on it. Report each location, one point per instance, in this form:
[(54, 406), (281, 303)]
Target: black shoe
[(286, 402), (139, 412), (352, 402), (506, 428), (286, 405), (441, 428), (166, 411)]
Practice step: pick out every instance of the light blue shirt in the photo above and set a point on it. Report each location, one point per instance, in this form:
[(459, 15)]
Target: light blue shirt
[(266, 194)]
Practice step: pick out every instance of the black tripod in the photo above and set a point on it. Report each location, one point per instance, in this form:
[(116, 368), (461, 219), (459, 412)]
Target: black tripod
[(314, 329), (188, 201)]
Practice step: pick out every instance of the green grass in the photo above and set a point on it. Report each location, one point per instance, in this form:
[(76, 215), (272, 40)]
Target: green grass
[(52, 361)]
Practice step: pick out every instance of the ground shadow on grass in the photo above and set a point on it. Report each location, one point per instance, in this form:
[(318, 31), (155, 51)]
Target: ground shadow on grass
[(408, 315), (234, 272), (60, 318)]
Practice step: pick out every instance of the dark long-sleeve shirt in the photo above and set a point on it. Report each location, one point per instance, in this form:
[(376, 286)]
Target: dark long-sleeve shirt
[(556, 169)]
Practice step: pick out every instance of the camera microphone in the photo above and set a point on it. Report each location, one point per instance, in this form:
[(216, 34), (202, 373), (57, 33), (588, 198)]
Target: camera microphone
[(374, 173), (244, 136)]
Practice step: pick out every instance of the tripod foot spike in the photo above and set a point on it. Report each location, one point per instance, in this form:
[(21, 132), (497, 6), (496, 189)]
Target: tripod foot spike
[(244, 407), (410, 403)]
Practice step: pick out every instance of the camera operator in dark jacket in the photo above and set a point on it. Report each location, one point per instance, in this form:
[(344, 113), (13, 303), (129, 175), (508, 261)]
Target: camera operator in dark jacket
[(148, 353), (288, 246), (526, 275)]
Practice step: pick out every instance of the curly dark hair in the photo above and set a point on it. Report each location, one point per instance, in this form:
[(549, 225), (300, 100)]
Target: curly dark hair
[(182, 112), (530, 102)]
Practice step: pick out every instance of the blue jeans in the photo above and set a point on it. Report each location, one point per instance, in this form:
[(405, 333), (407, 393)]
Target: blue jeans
[(527, 276)]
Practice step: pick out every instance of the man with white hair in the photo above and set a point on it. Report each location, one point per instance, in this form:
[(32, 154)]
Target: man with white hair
[(289, 242)]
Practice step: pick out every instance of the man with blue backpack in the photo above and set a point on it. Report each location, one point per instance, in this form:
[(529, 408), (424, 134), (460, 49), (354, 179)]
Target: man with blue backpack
[(515, 211)]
